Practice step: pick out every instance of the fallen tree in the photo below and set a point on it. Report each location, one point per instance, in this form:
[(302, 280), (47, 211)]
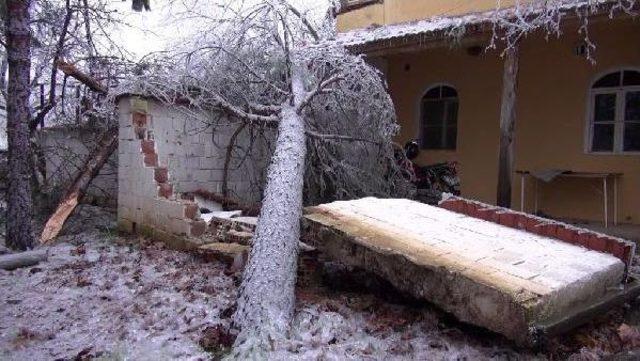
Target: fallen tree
[(270, 67), (107, 144), (95, 160)]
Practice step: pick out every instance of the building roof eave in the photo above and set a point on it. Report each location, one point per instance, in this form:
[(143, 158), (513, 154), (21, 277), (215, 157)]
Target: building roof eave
[(437, 31)]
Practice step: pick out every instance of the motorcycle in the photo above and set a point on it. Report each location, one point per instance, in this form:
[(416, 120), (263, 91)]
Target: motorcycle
[(431, 180)]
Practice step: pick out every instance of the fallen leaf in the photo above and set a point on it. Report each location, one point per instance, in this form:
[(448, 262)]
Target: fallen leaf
[(630, 336)]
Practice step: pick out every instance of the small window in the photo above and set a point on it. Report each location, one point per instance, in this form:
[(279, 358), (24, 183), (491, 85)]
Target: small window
[(615, 113), (439, 118)]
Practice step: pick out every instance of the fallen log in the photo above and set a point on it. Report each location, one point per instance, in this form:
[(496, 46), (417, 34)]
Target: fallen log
[(14, 261), (94, 162)]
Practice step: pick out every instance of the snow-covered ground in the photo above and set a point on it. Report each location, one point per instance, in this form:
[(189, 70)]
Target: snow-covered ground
[(102, 296)]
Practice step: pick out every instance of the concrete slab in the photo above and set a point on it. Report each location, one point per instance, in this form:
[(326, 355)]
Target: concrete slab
[(501, 278)]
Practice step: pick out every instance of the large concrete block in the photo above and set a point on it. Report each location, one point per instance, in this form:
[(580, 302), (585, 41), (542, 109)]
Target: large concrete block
[(505, 279)]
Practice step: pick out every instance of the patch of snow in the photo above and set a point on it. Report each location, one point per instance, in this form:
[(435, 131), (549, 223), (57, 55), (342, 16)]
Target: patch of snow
[(211, 206), (102, 298)]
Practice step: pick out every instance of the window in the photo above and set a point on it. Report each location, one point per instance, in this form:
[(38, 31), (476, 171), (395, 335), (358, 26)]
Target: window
[(439, 118), (615, 113)]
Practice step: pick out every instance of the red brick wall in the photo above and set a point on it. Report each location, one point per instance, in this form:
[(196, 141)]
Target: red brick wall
[(624, 250)]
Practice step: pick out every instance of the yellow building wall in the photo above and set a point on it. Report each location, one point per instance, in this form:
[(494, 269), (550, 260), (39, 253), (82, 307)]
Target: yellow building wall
[(551, 121), (398, 11), (478, 84)]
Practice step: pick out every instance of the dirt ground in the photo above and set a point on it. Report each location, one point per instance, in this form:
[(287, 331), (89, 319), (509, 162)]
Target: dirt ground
[(106, 297)]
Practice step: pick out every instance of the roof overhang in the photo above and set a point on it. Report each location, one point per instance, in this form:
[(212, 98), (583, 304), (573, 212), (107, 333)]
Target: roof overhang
[(439, 31), (352, 5)]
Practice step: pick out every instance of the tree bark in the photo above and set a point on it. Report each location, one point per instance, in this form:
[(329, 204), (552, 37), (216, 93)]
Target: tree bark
[(266, 296), (19, 201), (507, 127), (106, 146)]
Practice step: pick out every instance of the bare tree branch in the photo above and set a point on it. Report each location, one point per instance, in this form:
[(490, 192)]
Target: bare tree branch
[(54, 69)]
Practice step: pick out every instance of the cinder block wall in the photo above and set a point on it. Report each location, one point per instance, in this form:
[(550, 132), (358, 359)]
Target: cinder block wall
[(195, 152), (164, 153)]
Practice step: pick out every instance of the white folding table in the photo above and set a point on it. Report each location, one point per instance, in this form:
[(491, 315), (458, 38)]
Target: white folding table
[(589, 175)]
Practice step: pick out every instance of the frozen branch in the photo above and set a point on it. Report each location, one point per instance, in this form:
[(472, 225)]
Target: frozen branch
[(71, 70), (336, 137)]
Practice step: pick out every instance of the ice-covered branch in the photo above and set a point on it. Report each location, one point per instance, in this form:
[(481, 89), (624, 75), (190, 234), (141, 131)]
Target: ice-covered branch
[(338, 137), (511, 24)]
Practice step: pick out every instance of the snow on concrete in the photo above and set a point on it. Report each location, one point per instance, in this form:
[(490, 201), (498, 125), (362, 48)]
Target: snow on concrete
[(537, 279), (543, 264)]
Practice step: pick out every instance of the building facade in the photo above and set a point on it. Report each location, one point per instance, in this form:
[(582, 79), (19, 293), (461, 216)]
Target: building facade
[(575, 148)]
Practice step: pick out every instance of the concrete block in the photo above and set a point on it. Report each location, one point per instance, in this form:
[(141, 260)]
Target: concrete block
[(124, 212), (151, 160), (198, 228), (178, 125), (125, 225), (180, 226), (202, 175), (390, 237), (165, 190), (196, 150), (173, 209), (149, 217), (193, 162), (161, 175), (148, 146), (138, 104)]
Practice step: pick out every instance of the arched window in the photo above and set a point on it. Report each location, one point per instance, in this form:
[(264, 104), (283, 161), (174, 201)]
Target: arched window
[(439, 118), (615, 113)]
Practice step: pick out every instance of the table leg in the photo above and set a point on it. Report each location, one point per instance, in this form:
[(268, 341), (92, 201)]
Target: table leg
[(606, 208), (535, 206), (615, 200), (521, 192)]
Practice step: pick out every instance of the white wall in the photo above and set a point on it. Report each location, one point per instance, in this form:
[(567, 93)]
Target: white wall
[(163, 153), (195, 152)]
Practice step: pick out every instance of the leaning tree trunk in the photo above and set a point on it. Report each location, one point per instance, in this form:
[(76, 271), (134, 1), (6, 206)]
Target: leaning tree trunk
[(19, 203), (107, 144), (266, 297)]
